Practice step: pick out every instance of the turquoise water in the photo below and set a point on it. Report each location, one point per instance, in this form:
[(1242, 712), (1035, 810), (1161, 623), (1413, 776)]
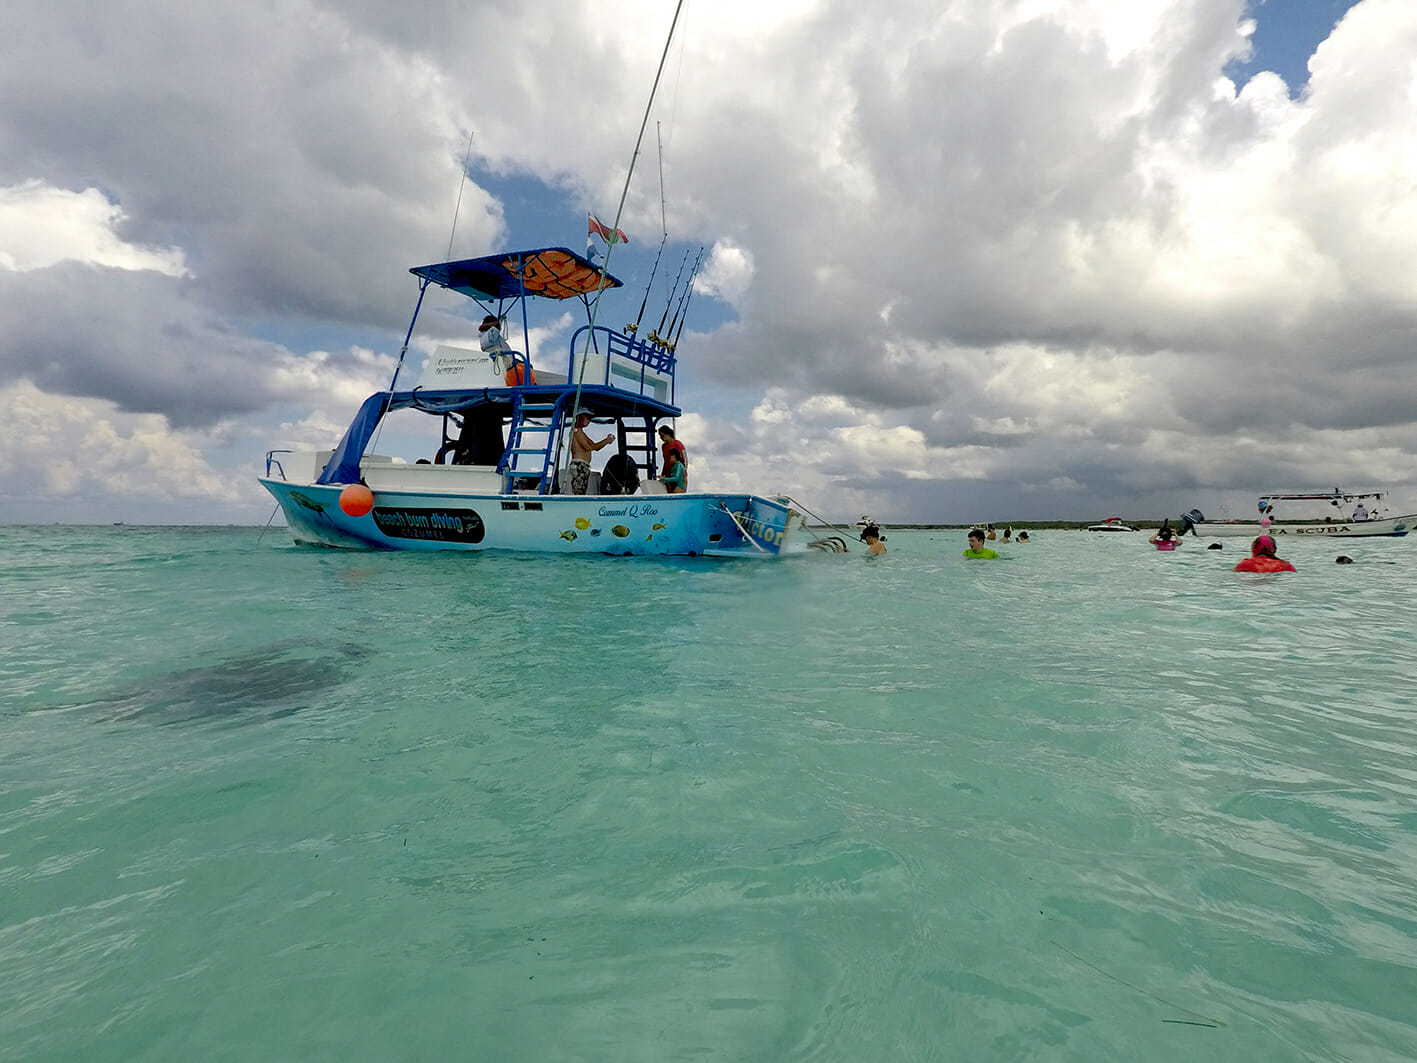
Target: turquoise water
[(1091, 802)]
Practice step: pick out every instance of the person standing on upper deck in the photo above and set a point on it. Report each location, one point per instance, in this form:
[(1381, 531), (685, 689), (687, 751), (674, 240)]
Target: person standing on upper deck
[(504, 359), (489, 338)]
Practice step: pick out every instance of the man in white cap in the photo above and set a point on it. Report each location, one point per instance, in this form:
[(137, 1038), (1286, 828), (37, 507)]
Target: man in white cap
[(582, 446)]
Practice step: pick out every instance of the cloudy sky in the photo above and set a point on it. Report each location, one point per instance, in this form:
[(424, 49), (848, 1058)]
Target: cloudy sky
[(966, 259)]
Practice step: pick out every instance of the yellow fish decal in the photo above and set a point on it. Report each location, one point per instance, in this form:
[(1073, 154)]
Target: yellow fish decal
[(620, 531), (658, 527), (582, 524)]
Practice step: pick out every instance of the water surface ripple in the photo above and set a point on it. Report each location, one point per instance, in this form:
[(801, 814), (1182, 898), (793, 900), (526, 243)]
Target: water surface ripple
[(1088, 802)]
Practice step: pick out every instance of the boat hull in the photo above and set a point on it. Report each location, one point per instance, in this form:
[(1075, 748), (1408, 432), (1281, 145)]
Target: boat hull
[(714, 525), (1339, 529)]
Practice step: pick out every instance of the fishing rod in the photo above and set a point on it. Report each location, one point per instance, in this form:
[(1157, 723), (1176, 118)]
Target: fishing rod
[(672, 338), (659, 139), (633, 329), (467, 157), (668, 302), (664, 228)]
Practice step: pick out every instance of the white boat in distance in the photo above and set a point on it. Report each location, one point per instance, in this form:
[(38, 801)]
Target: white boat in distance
[(500, 479), (1358, 514), (1111, 524)]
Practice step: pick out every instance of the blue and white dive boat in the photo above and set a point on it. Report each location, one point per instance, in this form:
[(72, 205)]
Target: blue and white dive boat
[(495, 473), (1338, 514)]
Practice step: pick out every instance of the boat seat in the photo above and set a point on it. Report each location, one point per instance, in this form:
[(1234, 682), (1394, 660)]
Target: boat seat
[(653, 487), (620, 476)]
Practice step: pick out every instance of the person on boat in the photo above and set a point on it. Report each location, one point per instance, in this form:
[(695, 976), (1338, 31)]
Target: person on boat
[(504, 359), (1360, 512), (489, 337), (669, 445), (673, 477), (1262, 558), (582, 446), (667, 442), (977, 549), (871, 536)]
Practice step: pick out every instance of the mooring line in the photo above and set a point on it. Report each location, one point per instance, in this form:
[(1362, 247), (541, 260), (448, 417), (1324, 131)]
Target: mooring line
[(1208, 1021)]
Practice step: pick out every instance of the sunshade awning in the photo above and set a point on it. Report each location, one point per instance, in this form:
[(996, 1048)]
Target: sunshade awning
[(548, 272)]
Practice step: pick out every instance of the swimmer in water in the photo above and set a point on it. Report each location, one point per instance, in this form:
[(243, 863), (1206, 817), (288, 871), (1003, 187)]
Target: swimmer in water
[(977, 549), (871, 536), (1262, 558)]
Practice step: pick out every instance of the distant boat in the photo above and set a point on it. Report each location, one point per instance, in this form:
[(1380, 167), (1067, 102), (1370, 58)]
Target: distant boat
[(867, 521), (1111, 524), (1352, 517)]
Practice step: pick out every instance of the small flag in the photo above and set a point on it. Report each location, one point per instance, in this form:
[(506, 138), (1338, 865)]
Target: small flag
[(594, 227)]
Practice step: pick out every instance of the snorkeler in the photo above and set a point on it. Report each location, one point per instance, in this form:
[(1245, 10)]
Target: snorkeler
[(1165, 538), (1262, 558)]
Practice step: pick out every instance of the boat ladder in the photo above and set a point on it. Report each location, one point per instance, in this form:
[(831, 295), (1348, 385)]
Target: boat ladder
[(637, 440), (528, 454)]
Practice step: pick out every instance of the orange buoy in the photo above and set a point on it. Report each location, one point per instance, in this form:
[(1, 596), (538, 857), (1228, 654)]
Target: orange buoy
[(356, 500), (513, 376)]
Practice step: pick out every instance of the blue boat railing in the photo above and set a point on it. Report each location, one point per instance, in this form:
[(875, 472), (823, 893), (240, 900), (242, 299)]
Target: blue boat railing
[(613, 359)]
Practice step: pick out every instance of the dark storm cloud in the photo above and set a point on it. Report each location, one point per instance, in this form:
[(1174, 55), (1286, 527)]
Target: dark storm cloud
[(967, 251)]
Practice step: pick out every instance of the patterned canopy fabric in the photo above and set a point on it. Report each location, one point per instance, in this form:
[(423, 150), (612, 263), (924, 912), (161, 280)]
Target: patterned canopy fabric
[(549, 272)]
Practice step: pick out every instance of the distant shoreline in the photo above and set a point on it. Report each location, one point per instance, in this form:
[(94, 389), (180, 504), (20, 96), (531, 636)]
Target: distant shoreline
[(999, 526), (1017, 525)]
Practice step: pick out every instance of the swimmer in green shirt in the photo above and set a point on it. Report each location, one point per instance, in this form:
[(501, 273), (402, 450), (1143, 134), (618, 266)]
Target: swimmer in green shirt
[(976, 546)]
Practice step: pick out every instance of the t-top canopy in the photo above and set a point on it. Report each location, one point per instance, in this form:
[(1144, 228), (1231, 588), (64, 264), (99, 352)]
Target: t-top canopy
[(1324, 496), (549, 272)]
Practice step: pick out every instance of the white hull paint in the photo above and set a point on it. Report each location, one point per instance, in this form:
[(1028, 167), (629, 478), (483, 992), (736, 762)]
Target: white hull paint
[(1338, 529)]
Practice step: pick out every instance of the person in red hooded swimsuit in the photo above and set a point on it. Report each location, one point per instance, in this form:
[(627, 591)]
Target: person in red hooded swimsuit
[(1262, 558)]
